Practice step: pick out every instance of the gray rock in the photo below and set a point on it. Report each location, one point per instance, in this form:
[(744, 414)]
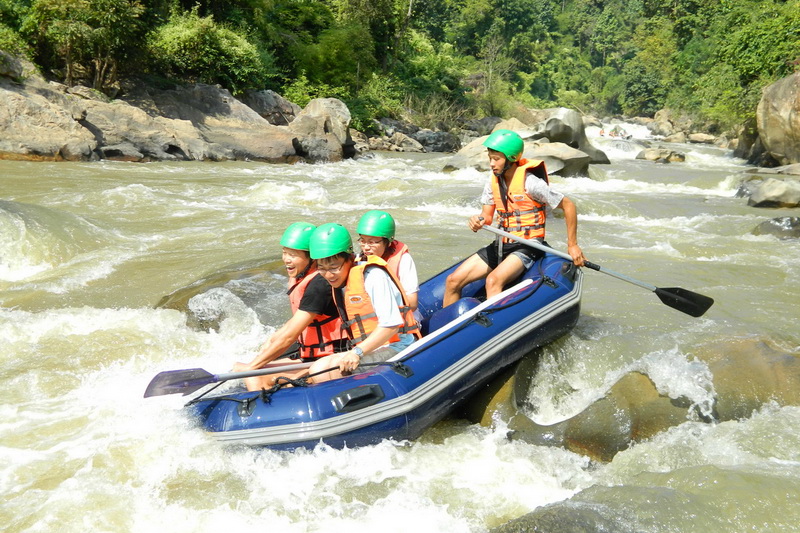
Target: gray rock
[(273, 107), (778, 119), (783, 228), (774, 192)]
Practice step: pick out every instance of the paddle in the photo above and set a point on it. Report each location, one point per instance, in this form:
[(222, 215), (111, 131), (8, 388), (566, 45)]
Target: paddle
[(189, 380), (683, 300)]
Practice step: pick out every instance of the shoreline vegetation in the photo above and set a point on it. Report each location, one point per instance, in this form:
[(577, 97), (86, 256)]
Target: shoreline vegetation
[(207, 72)]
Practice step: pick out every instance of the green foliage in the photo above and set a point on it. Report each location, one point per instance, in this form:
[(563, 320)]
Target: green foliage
[(195, 48), (11, 42), (433, 61)]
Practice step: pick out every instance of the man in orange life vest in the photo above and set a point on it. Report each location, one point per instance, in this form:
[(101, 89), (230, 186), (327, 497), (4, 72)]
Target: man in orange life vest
[(371, 304), (519, 192), (315, 323)]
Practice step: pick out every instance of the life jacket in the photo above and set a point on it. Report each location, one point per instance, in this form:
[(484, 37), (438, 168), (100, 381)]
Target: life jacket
[(361, 317), (394, 252), (519, 213), (321, 336)]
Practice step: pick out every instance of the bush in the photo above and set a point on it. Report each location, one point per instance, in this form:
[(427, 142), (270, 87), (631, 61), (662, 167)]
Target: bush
[(11, 42), (197, 49)]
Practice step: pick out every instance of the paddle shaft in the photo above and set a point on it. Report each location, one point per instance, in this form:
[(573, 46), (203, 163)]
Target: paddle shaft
[(260, 372), (587, 264)]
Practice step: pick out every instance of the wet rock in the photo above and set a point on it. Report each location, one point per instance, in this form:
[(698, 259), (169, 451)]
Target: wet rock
[(774, 192), (260, 286), (745, 375), (661, 154), (563, 517), (566, 126), (437, 141), (783, 228), (701, 138)]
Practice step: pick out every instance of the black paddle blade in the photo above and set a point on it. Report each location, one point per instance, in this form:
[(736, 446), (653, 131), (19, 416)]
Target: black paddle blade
[(685, 301), (184, 381)]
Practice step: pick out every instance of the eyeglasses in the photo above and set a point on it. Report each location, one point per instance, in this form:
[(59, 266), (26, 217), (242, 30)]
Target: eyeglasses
[(334, 270), (365, 242)]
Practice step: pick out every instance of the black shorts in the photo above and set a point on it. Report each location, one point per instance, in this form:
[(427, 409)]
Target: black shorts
[(526, 254)]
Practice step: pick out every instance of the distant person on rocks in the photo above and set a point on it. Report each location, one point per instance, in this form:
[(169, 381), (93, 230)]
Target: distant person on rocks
[(519, 192), (314, 331), (371, 304)]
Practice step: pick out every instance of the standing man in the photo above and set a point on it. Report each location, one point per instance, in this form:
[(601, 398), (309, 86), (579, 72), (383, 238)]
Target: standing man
[(519, 192)]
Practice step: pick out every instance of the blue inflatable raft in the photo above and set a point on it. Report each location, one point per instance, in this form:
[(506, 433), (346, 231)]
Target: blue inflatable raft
[(464, 346)]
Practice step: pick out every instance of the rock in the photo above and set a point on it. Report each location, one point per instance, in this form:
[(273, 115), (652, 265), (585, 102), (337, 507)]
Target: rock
[(437, 141), (559, 158), (482, 126), (664, 155), (701, 138), (778, 119), (788, 170), (323, 131), (563, 518), (745, 375), (39, 124), (273, 107), (783, 228), (566, 126), (679, 137), (776, 193)]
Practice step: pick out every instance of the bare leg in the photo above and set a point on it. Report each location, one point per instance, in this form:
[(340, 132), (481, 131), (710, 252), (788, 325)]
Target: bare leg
[(470, 270), (508, 269), (331, 361)]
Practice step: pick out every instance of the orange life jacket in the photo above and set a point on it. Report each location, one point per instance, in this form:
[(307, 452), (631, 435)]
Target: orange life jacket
[(519, 213), (319, 338), (362, 319)]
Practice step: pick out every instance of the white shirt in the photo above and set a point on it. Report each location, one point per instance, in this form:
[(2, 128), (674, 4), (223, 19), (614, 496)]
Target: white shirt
[(386, 299), (536, 188), (407, 274)]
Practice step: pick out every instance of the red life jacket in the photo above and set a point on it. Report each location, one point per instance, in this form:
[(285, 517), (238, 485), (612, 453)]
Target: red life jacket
[(319, 338), (362, 319), (519, 213)]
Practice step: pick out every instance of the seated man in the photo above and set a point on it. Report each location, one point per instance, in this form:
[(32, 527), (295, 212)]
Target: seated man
[(315, 323), (519, 192), (371, 305)]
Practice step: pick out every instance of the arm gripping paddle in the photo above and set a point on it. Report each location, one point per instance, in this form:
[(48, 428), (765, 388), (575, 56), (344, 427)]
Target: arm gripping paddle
[(683, 300)]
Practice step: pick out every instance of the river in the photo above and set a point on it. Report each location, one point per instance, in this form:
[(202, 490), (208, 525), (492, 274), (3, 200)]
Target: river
[(88, 249)]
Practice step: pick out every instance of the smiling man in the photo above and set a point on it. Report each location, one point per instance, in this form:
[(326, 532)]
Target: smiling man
[(374, 311), (315, 323)]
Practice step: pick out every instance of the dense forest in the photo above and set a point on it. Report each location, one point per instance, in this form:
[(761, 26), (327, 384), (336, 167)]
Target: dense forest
[(433, 62)]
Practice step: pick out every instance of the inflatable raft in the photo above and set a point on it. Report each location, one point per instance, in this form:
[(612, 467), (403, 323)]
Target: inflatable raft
[(463, 347)]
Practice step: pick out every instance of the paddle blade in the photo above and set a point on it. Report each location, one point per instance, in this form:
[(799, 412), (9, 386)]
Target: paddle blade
[(183, 381), (685, 301)]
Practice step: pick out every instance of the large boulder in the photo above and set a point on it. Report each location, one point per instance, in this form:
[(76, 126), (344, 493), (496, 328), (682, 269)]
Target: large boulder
[(776, 193), (566, 126), (745, 375), (273, 107), (221, 120), (322, 129), (40, 122), (782, 228), (778, 119)]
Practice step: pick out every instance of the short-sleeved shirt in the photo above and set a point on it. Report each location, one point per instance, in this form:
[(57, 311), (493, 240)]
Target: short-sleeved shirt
[(386, 298), (407, 274), (537, 188), (318, 298)]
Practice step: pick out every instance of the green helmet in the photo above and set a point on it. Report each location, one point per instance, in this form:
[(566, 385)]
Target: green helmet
[(298, 235), (330, 239), (507, 143), (376, 224)]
